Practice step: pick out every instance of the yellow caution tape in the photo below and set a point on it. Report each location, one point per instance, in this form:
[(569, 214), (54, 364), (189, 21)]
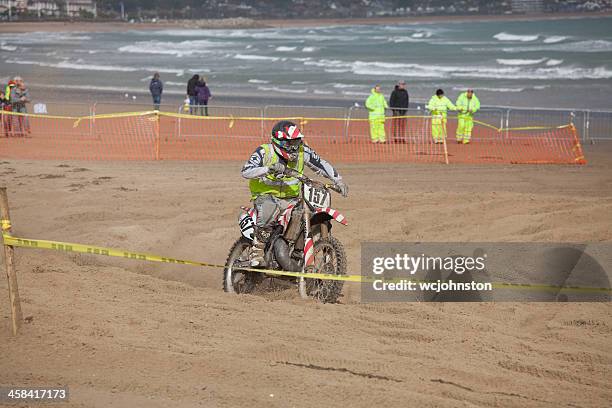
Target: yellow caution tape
[(6, 225), (38, 115), (120, 253)]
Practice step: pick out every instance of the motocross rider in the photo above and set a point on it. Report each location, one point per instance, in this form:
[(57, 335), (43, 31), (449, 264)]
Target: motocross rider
[(271, 190)]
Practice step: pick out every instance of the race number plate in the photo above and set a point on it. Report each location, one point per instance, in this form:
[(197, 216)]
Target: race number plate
[(317, 197)]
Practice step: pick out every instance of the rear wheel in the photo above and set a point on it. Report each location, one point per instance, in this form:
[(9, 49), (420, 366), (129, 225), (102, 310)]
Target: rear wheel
[(236, 280), (329, 257)]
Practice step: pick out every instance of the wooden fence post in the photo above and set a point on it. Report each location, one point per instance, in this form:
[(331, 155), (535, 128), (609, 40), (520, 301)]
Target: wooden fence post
[(9, 252)]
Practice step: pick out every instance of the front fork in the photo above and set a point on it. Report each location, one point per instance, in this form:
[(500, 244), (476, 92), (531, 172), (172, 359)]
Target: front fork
[(302, 281)]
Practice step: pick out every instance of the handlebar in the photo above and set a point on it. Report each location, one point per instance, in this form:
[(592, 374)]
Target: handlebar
[(308, 180)]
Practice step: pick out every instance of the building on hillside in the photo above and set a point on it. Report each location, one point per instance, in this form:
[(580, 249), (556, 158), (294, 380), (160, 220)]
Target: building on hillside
[(16, 5), (44, 8), (527, 6), (75, 8)]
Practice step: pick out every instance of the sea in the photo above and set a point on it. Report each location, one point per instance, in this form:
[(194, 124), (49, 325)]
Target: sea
[(556, 63)]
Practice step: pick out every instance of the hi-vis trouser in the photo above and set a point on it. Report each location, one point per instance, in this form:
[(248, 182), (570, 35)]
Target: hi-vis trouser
[(438, 127), (465, 124), (377, 129)]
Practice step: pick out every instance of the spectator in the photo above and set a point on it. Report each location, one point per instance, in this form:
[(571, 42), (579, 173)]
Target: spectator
[(467, 105), (191, 84), (202, 97), (399, 99), (156, 87), (438, 105), (2, 102), (20, 96), (7, 119), (376, 105)]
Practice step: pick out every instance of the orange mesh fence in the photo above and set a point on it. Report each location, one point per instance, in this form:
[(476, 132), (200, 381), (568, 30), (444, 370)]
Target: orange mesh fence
[(114, 137), (170, 136)]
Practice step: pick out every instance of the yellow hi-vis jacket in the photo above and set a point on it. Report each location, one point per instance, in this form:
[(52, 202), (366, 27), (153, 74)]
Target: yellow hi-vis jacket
[(439, 106), (376, 105), (467, 107), (281, 187)]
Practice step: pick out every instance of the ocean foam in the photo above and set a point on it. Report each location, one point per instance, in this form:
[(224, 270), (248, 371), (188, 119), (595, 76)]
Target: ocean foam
[(40, 37), (553, 39), (354, 93), (5, 47), (463, 71), (577, 46), (520, 61), (554, 62), (337, 70), (422, 34), (515, 37), (180, 49), (254, 57), (404, 39), (72, 65), (487, 89), (283, 48), (83, 66), (258, 81), (342, 86), (282, 90), (309, 49)]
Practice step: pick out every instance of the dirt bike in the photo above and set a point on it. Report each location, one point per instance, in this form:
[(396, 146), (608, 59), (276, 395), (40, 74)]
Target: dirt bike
[(300, 241)]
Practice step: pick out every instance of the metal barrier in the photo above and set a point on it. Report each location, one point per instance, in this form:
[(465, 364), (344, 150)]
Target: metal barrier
[(315, 129), (598, 126), (217, 111), (105, 108)]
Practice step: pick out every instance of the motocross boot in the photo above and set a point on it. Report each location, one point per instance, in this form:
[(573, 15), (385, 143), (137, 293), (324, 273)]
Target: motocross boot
[(257, 255)]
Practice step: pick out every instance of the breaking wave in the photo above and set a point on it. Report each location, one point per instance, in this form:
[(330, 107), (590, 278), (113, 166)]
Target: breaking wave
[(249, 57), (515, 37), (502, 61), (82, 66), (553, 39), (577, 46), (445, 71), (180, 49), (554, 62), (282, 90)]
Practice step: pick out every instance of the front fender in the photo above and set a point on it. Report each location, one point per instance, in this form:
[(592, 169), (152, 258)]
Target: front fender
[(331, 213)]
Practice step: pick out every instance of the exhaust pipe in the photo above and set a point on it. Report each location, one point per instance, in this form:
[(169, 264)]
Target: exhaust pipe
[(281, 252)]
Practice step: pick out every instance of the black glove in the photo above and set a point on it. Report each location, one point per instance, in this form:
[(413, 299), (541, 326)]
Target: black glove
[(277, 168), (342, 187)]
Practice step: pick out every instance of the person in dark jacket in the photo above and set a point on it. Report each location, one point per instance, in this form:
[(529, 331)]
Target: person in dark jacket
[(202, 94), (191, 85), (398, 102), (156, 87)]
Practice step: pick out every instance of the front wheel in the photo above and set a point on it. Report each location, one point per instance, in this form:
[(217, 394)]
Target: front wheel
[(236, 280), (330, 258)]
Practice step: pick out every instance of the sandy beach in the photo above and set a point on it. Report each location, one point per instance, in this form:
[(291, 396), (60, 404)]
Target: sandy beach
[(131, 334), (128, 334)]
